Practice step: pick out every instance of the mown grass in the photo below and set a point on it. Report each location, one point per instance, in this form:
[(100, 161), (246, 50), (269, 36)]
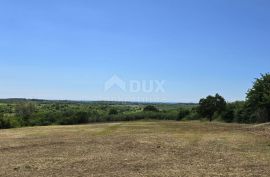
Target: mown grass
[(139, 148)]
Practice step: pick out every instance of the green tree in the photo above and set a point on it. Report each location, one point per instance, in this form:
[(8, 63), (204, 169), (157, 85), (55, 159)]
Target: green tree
[(150, 108), (4, 123), (113, 111), (211, 104), (258, 99), (25, 111), (182, 113), (1, 120), (82, 117), (229, 113)]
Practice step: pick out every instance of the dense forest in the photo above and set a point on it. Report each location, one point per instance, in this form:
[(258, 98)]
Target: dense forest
[(24, 112)]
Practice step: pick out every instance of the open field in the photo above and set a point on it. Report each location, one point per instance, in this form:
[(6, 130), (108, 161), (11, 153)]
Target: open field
[(142, 148)]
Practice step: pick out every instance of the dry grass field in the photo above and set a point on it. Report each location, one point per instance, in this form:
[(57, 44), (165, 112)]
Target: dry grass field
[(143, 148)]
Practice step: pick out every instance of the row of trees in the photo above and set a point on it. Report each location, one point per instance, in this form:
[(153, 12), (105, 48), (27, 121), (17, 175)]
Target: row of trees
[(256, 108)]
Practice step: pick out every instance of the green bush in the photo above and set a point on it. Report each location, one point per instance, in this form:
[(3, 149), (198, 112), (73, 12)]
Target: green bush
[(258, 99), (183, 113), (150, 108), (4, 123), (9, 122), (113, 111)]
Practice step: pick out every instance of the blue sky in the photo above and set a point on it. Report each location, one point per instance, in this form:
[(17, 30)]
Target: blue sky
[(66, 49)]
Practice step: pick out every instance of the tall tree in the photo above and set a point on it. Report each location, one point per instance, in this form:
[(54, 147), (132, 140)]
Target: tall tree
[(211, 104), (258, 99)]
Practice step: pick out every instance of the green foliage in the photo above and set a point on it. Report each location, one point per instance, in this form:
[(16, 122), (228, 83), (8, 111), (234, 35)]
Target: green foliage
[(113, 111), (258, 99), (228, 114), (22, 112), (25, 111), (211, 104), (150, 108), (8, 122), (240, 114), (183, 113), (3, 122)]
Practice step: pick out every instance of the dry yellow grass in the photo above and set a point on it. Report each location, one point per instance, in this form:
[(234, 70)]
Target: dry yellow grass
[(130, 149)]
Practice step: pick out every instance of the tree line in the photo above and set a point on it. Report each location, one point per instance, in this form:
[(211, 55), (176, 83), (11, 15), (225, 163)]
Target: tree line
[(255, 109)]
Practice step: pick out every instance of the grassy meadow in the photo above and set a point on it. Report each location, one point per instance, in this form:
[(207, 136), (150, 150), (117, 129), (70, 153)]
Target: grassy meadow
[(137, 148)]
